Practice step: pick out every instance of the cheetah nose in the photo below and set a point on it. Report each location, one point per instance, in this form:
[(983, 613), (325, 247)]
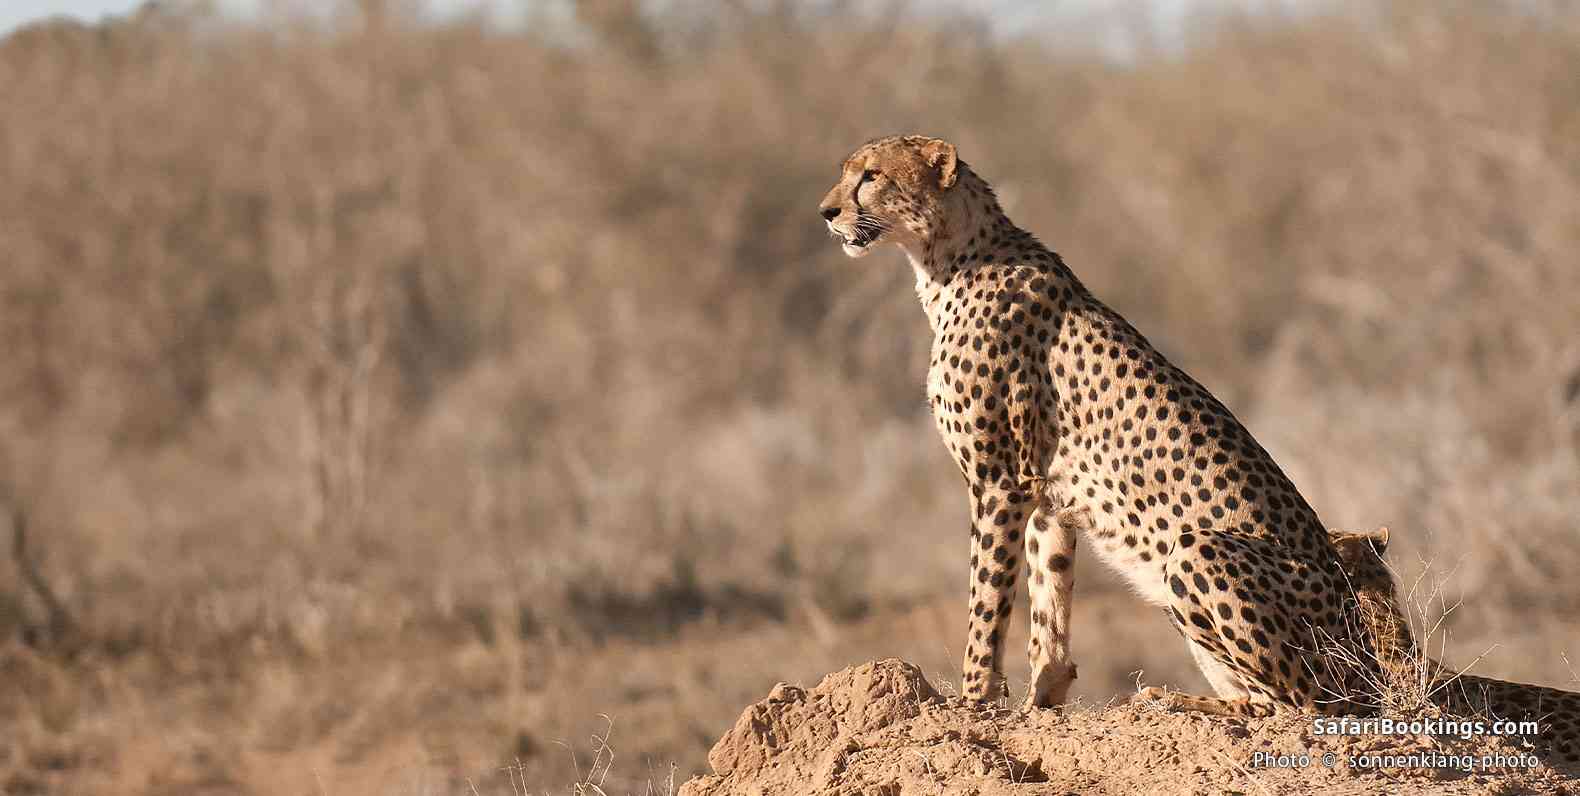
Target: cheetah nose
[(830, 213)]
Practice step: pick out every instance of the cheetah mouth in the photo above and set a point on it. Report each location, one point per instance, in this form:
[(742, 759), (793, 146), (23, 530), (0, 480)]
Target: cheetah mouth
[(863, 234), (861, 238)]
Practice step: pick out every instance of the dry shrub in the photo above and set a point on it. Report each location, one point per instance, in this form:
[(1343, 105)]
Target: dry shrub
[(320, 332)]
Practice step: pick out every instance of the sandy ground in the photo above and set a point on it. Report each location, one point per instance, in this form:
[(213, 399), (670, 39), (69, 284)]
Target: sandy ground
[(881, 729)]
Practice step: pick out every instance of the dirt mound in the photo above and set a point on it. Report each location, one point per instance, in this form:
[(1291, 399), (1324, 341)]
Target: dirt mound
[(881, 729)]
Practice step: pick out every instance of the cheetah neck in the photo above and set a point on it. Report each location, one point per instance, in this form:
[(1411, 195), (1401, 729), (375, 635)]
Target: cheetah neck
[(938, 252), (971, 226)]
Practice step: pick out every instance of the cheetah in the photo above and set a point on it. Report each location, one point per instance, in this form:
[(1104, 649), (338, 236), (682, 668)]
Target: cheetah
[(1405, 665), (1066, 422)]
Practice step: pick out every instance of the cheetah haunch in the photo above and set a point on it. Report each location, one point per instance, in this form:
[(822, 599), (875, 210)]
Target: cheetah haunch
[(1063, 418)]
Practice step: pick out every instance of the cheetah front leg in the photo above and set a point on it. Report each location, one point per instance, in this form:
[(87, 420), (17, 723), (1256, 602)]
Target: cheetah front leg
[(999, 516), (1050, 554)]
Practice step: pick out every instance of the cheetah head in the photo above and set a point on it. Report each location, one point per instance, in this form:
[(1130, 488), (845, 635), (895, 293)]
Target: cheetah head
[(1361, 555), (891, 190)]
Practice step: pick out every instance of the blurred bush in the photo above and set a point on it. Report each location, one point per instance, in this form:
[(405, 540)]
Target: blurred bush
[(314, 331)]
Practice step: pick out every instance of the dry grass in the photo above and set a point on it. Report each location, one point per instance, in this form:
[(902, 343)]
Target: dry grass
[(355, 375), (1403, 669)]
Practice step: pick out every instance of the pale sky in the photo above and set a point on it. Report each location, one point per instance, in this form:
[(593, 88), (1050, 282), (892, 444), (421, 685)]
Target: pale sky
[(17, 12), (1012, 14)]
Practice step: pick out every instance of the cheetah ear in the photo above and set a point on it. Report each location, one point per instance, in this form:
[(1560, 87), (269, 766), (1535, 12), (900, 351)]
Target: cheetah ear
[(1380, 540), (940, 155)]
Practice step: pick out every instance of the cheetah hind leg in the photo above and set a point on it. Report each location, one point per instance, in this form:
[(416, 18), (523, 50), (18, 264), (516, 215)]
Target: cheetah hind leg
[(1233, 698), (1241, 637), (1243, 707)]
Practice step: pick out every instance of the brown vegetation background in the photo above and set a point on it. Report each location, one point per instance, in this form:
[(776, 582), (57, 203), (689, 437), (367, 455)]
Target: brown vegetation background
[(385, 401)]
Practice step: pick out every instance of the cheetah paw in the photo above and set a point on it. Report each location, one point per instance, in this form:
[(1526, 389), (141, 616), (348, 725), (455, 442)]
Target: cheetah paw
[(1152, 696)]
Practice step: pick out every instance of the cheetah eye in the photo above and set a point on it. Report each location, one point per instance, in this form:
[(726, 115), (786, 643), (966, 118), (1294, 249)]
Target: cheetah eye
[(869, 175)]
